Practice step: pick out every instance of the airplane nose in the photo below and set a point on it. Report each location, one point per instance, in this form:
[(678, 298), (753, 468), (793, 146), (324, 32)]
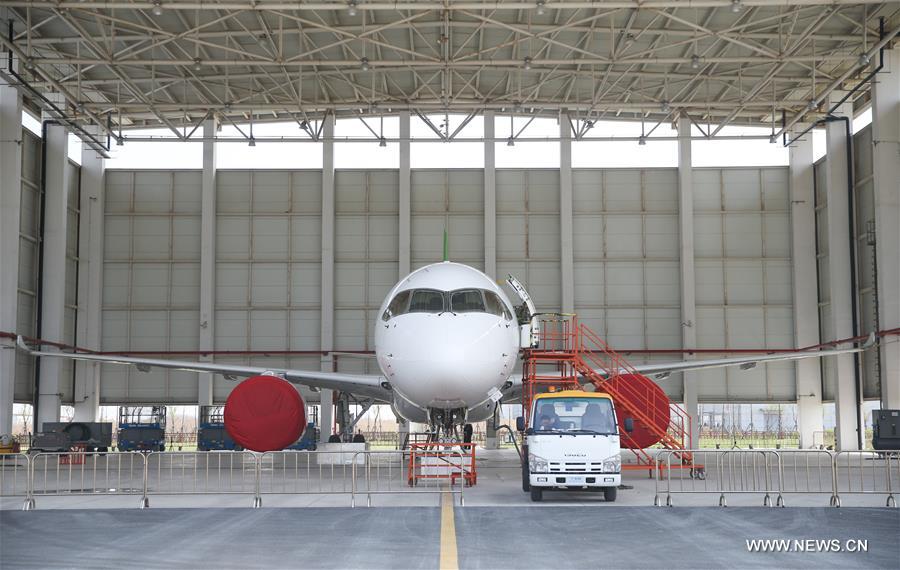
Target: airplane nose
[(451, 359)]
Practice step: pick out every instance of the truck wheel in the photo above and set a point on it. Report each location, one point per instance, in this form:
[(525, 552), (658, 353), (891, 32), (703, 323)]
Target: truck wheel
[(609, 494), (537, 494), (526, 484)]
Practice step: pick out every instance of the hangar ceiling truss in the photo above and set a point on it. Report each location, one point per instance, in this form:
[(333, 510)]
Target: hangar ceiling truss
[(170, 63)]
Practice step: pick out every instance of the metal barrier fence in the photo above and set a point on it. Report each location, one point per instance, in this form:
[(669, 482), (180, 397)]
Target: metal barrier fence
[(773, 474), (144, 475)]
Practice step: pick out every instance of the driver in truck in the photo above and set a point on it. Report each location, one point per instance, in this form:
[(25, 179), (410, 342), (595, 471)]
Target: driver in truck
[(598, 419)]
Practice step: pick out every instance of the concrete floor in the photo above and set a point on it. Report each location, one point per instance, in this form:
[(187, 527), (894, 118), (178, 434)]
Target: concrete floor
[(515, 537), (499, 527)]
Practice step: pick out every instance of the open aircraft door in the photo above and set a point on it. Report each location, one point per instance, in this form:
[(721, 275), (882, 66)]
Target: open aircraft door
[(526, 315)]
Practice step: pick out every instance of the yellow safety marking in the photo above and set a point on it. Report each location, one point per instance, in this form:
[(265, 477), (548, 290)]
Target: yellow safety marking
[(449, 560)]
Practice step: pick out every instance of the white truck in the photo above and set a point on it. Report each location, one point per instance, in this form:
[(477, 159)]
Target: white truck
[(571, 443)]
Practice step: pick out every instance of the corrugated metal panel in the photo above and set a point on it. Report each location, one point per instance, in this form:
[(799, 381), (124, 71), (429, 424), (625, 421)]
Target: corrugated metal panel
[(366, 255), (29, 229), (451, 200), (626, 259), (528, 233), (864, 209), (743, 278), (151, 280)]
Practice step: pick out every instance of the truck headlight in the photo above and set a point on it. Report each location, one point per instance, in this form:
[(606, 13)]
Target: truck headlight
[(612, 464), (537, 464)]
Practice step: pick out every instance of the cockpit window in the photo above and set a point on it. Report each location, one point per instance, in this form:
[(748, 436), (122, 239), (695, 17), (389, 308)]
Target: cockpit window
[(426, 301), (495, 305), (398, 305), (467, 301), (434, 301)]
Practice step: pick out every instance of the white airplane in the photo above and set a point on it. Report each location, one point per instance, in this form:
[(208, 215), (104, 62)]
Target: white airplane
[(447, 342)]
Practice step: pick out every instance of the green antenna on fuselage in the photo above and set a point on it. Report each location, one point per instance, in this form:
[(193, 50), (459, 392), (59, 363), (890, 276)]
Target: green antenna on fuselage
[(446, 246)]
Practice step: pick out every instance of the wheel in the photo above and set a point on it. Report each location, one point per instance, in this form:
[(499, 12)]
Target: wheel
[(359, 438), (526, 484), (537, 494), (334, 438), (609, 494), (467, 433), (162, 447)]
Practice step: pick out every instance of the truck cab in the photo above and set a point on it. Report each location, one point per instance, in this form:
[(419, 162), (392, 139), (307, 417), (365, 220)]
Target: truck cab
[(571, 443)]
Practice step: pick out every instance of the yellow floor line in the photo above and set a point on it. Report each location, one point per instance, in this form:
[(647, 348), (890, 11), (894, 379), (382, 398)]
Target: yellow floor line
[(449, 560)]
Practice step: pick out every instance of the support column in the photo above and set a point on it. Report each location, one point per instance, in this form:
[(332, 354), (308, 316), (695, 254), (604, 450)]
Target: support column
[(567, 261), (886, 165), (90, 283), (490, 197), (836, 172), (806, 308), (326, 416), (53, 281), (207, 340), (687, 274), (10, 206), (405, 197)]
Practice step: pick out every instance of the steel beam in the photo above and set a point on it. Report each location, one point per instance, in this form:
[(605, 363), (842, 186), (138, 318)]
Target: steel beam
[(10, 211), (806, 310), (490, 196), (687, 272), (839, 276), (566, 222), (405, 197), (90, 282), (326, 417), (886, 166), (53, 271), (207, 339)]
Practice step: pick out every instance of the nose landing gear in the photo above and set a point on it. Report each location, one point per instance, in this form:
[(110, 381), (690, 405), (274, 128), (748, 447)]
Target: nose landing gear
[(445, 426)]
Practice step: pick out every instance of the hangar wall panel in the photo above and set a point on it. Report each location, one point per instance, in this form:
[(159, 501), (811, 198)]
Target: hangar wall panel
[(743, 275), (626, 259), (864, 219), (269, 263), (29, 267), (864, 213), (451, 200), (365, 257), (151, 276), (268, 268), (67, 382), (268, 274), (528, 233), (29, 236)]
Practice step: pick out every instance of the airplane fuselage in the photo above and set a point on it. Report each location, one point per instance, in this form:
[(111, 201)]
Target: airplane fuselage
[(446, 339)]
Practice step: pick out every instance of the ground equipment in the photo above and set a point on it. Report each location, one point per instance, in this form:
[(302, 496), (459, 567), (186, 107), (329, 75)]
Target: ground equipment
[(142, 428)]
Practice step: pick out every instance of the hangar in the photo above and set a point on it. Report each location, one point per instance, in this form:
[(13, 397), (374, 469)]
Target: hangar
[(244, 187)]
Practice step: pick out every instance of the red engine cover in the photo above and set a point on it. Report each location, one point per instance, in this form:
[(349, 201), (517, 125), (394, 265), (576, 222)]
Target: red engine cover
[(265, 413), (655, 404)]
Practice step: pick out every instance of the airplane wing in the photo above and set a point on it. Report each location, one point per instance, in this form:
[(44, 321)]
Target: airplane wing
[(662, 370), (368, 385)]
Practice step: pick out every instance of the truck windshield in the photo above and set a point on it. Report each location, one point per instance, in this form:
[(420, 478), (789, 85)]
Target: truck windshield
[(574, 415)]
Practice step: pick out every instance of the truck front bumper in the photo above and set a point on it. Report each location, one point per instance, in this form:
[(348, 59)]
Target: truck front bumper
[(575, 480)]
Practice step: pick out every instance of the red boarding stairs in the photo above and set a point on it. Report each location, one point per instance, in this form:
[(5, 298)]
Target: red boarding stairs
[(567, 350)]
